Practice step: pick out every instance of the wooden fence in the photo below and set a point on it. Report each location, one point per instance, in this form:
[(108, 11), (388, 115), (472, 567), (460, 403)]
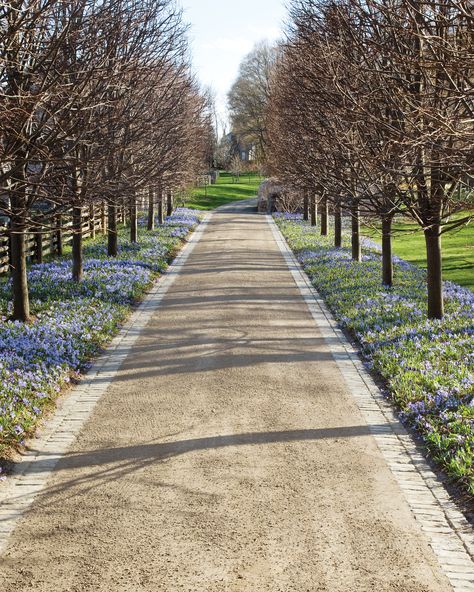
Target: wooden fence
[(42, 243)]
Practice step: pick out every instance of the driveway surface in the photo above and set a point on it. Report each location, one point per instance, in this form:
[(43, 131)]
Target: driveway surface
[(227, 454)]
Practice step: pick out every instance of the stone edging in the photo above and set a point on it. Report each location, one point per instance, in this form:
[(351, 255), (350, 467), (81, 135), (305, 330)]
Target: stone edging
[(18, 492), (448, 532)]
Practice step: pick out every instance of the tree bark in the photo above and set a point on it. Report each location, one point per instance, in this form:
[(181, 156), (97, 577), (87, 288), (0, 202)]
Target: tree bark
[(12, 87), (387, 259), (324, 216), (21, 301), (151, 209), (59, 236), (133, 218), (355, 215), (305, 206), (9, 245), (77, 178), (435, 272), (159, 193), (112, 242), (337, 225), (169, 202), (313, 210), (77, 258)]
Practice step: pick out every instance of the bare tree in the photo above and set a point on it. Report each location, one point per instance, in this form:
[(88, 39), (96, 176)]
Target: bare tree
[(37, 100), (249, 94), (92, 94), (376, 97)]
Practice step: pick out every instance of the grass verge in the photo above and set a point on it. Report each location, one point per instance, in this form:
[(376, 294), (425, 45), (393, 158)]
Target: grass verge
[(458, 250), (427, 365)]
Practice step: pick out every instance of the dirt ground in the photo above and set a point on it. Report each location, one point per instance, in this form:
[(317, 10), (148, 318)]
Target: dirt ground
[(227, 455)]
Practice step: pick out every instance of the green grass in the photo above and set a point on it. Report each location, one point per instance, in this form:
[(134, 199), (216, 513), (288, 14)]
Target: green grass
[(224, 191), (458, 250)]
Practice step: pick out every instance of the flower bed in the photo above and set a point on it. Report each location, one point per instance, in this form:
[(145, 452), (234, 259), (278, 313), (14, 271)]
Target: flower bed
[(428, 365), (73, 321)]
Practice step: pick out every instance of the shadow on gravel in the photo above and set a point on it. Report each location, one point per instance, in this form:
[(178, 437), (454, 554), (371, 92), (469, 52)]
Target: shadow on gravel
[(114, 463), (194, 352)]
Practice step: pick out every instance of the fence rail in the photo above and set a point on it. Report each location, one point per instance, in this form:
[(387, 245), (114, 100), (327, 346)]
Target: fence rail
[(41, 243)]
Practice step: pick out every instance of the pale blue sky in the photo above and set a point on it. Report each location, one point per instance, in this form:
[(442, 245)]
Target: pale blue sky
[(223, 32)]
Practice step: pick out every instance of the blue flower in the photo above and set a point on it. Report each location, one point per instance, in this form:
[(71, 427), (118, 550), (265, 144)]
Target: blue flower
[(74, 320), (428, 365)]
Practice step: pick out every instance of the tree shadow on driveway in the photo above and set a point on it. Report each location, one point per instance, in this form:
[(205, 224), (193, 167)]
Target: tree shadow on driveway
[(102, 465)]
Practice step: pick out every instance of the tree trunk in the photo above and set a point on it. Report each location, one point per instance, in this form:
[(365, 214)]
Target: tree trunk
[(59, 236), (133, 218), (161, 218), (9, 245), (387, 260), (112, 242), (355, 215), (435, 272), (305, 206), (21, 301), (151, 209), (337, 225), (169, 202), (324, 216), (77, 258), (159, 192), (313, 210)]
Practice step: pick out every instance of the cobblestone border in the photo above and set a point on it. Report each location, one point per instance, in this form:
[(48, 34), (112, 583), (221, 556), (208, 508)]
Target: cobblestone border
[(448, 532), (18, 492)]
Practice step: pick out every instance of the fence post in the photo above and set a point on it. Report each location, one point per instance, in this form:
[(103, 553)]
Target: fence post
[(91, 220)]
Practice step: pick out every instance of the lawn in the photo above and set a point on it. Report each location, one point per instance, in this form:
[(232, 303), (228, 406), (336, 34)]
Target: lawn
[(458, 250), (224, 191)]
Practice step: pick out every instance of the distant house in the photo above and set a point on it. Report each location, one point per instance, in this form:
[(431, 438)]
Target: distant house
[(247, 154), (246, 151)]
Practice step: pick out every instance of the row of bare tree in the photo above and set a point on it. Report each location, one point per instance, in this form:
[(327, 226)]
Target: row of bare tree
[(97, 104), (371, 111)]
